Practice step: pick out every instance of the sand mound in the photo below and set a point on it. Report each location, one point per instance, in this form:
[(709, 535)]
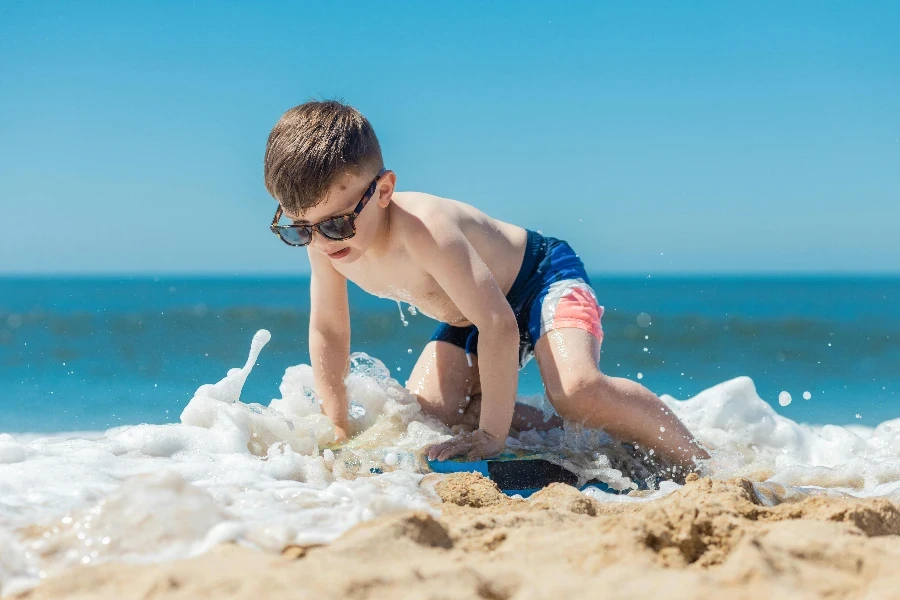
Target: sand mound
[(721, 539), (565, 498), (471, 490), (873, 517), (408, 530)]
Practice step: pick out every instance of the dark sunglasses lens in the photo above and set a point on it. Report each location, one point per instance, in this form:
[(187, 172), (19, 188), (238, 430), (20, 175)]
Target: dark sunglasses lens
[(338, 228), (295, 236)]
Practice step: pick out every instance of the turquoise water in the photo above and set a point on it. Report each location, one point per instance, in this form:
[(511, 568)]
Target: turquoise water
[(87, 354)]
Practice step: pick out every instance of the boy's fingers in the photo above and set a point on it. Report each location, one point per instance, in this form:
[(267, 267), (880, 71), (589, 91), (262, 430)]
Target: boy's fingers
[(435, 450), (462, 444), (474, 446), (451, 451), (438, 450)]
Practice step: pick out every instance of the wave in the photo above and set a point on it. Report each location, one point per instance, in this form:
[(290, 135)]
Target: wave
[(268, 476)]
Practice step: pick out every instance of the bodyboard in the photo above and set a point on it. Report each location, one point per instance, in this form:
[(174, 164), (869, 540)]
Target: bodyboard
[(517, 473)]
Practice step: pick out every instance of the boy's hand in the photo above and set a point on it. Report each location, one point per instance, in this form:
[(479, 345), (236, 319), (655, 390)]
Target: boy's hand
[(340, 435), (475, 445)]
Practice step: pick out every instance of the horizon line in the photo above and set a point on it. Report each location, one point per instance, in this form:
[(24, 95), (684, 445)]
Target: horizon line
[(143, 275)]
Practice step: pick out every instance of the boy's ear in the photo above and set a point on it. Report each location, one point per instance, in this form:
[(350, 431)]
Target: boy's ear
[(386, 189)]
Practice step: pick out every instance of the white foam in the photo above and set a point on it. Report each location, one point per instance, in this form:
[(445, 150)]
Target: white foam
[(16, 574), (748, 437), (268, 476), (11, 451), (255, 474)]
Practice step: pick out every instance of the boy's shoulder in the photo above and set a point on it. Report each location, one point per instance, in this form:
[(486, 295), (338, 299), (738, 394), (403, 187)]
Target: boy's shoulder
[(422, 205), (421, 214)]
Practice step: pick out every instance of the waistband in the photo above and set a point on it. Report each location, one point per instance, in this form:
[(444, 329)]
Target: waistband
[(535, 252)]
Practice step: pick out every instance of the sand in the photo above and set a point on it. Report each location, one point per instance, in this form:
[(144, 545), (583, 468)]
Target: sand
[(711, 539)]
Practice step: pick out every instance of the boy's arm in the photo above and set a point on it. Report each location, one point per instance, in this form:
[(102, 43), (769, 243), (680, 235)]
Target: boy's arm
[(329, 339), (445, 253)]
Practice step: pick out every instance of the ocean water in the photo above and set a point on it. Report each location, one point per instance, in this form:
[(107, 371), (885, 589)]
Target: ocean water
[(134, 425), (88, 354)]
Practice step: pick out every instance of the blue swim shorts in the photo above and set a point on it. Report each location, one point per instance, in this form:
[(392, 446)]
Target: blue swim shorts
[(551, 291)]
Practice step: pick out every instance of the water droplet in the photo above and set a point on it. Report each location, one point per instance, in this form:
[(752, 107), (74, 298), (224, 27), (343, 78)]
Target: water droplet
[(784, 398), (858, 416), (402, 316), (807, 395), (643, 320), (640, 375), (662, 429)]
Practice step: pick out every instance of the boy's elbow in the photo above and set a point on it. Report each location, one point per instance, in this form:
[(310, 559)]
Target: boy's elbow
[(502, 323)]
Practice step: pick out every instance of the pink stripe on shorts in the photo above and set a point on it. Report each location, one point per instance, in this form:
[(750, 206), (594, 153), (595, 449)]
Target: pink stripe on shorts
[(571, 303)]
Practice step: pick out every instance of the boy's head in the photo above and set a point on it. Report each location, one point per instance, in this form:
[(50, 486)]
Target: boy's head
[(320, 158), (313, 146)]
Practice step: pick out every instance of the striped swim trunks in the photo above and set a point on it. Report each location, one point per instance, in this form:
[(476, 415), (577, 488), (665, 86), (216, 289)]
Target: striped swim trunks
[(551, 291)]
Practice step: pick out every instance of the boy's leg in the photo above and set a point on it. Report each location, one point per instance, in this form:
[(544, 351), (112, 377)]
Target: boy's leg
[(448, 389), (443, 382), (625, 409), (525, 417)]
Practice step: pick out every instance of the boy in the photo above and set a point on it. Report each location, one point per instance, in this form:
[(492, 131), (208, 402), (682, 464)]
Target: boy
[(501, 293)]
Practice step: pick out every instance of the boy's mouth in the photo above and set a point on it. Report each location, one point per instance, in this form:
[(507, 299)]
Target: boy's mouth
[(340, 253)]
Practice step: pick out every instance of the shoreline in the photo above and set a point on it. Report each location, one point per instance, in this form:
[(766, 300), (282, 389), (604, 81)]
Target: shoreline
[(710, 538)]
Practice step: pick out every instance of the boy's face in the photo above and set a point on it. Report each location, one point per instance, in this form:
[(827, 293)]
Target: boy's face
[(341, 199)]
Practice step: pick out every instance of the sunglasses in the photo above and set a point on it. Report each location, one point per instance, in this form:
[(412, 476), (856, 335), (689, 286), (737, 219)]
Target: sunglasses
[(341, 227)]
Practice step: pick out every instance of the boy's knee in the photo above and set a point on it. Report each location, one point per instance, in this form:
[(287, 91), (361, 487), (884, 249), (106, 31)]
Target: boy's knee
[(451, 413), (573, 386)]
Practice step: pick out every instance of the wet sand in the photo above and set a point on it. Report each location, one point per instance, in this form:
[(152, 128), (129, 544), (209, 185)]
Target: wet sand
[(711, 539)]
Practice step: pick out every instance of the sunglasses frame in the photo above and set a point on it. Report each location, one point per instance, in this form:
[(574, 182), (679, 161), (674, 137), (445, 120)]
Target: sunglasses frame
[(350, 216)]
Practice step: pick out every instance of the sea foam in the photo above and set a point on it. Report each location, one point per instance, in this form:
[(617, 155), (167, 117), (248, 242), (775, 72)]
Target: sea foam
[(271, 476)]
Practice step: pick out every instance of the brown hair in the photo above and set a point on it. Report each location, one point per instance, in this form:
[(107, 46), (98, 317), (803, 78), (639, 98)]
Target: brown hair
[(311, 146)]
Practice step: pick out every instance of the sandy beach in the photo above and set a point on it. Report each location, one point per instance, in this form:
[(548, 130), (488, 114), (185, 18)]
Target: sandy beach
[(710, 539)]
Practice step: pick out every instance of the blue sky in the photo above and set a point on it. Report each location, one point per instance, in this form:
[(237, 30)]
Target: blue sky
[(657, 137)]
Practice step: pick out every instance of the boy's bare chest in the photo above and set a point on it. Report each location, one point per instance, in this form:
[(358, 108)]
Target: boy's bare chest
[(403, 283)]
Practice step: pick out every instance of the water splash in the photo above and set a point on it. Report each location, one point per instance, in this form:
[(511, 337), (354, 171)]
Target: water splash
[(270, 476), (402, 316)]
